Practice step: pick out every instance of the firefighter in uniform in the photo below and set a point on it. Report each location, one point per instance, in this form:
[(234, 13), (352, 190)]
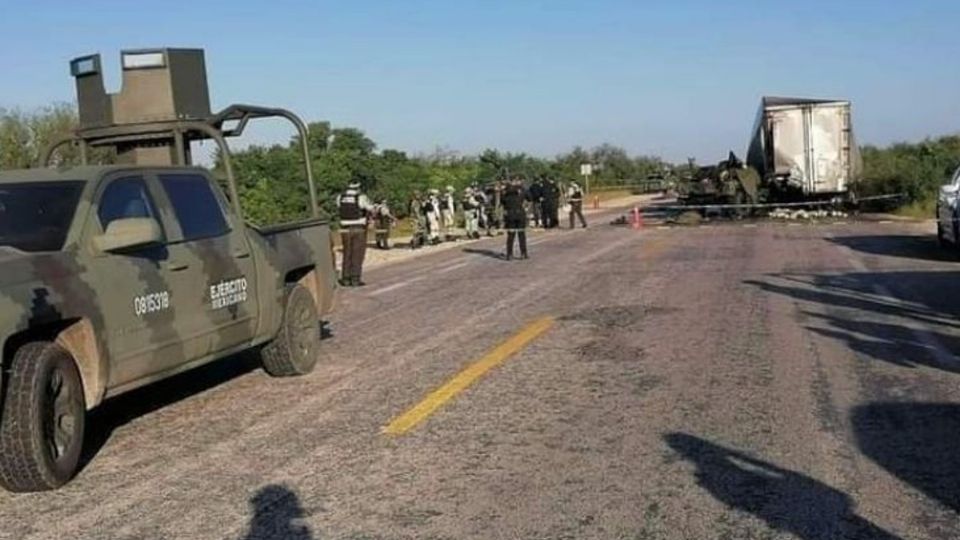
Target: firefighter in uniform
[(575, 200), (354, 208), (515, 217)]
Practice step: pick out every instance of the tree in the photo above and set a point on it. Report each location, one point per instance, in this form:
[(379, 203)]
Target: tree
[(24, 136)]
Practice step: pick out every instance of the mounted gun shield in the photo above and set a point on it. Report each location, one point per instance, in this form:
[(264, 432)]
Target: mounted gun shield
[(163, 105)]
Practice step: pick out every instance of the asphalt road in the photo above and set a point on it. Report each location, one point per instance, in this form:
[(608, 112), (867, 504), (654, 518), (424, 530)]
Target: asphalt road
[(759, 381)]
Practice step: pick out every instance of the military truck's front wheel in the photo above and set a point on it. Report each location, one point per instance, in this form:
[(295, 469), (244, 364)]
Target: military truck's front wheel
[(41, 431), (295, 349)]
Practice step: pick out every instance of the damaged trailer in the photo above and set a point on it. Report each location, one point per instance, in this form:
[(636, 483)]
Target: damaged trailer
[(805, 149)]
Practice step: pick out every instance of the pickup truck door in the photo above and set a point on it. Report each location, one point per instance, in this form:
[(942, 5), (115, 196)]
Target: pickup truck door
[(144, 313), (208, 236)]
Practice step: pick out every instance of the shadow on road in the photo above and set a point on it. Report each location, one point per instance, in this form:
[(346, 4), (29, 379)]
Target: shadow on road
[(785, 500), (123, 409), (919, 443), (276, 515), (905, 246), (892, 306), (484, 252), (891, 343)]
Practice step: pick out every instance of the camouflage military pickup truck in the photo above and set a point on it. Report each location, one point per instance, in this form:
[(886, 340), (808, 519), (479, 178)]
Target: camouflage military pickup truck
[(113, 277)]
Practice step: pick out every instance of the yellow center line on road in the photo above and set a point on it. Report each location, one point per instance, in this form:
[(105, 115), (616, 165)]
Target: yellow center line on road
[(410, 419)]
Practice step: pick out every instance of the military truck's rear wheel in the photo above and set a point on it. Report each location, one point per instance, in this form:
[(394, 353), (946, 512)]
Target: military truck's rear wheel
[(295, 349), (41, 431)]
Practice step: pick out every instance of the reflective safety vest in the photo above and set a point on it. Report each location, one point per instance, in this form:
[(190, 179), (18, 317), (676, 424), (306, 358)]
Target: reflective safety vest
[(350, 206)]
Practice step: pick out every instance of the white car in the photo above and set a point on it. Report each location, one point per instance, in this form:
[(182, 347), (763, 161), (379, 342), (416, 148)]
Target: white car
[(948, 212)]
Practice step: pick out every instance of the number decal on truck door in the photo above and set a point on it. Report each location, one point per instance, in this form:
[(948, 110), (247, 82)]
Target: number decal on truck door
[(151, 303)]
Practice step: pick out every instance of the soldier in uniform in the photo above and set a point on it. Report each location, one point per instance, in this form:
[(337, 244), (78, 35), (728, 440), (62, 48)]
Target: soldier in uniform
[(354, 207), (494, 207), (419, 221), (471, 213), (431, 210), (535, 196), (489, 210), (575, 200), (483, 201), (448, 213), (515, 217), (383, 220)]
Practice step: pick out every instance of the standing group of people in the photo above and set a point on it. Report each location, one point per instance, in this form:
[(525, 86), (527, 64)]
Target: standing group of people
[(545, 198), (434, 216), (504, 205), (484, 210)]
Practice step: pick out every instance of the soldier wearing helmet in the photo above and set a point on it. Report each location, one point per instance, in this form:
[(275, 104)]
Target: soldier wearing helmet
[(383, 220), (471, 213), (575, 200), (448, 213), (419, 221), (431, 209), (354, 208)]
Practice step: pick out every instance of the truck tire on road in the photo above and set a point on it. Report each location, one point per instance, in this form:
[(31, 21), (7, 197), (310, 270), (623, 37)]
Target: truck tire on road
[(295, 349), (41, 434)]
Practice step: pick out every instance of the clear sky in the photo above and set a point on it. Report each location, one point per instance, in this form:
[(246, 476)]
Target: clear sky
[(675, 78)]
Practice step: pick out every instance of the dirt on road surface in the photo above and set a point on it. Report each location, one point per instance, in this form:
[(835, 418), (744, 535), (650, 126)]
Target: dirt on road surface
[(759, 381)]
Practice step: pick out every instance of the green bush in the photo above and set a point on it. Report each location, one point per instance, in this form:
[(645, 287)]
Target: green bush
[(916, 170)]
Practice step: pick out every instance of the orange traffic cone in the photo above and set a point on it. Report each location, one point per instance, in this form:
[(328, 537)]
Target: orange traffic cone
[(637, 218)]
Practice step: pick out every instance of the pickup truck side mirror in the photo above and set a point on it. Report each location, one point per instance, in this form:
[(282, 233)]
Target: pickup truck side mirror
[(129, 233)]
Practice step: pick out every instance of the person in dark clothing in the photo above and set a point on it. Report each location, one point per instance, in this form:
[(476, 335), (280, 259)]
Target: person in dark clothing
[(354, 207), (535, 196), (493, 208), (575, 199), (551, 204), (515, 217)]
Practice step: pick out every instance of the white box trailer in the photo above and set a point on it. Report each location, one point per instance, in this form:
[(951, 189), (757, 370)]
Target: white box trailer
[(805, 147)]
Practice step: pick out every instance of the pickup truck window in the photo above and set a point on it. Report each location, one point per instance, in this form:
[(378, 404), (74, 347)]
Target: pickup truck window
[(195, 205), (36, 216), (125, 198)]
